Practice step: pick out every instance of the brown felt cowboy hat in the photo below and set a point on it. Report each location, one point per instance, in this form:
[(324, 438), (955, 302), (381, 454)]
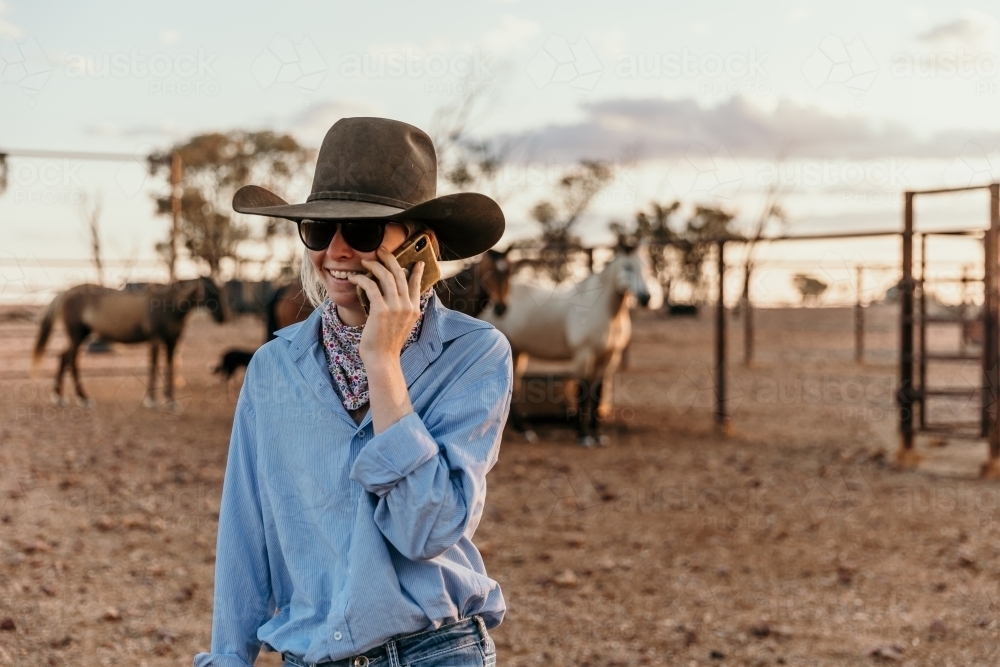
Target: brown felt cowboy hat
[(385, 170)]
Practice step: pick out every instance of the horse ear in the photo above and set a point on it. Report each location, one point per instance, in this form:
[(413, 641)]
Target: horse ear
[(624, 247), (625, 244)]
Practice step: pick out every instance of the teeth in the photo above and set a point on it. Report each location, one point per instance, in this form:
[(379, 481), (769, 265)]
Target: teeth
[(342, 274)]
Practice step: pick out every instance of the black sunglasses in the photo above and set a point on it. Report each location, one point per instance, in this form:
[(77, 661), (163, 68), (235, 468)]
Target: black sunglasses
[(362, 235)]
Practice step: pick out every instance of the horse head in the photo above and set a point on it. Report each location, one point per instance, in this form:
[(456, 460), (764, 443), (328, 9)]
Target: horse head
[(495, 270), (210, 297), (630, 273)]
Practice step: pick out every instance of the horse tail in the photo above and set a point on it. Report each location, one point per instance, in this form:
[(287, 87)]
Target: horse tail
[(45, 330)]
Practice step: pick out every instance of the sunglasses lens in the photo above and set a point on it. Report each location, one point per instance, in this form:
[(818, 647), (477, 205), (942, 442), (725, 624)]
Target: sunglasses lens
[(363, 236), (317, 234)]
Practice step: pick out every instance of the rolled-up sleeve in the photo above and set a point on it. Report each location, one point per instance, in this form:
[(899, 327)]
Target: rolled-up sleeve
[(430, 472), (243, 600)]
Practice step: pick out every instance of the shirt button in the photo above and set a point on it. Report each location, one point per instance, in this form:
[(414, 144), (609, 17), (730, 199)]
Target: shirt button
[(337, 635)]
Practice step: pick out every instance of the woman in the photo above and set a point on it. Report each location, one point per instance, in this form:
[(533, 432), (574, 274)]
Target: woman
[(360, 446)]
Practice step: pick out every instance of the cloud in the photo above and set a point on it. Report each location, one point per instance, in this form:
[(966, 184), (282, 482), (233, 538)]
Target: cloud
[(309, 125), (7, 28), (658, 128), (974, 31)]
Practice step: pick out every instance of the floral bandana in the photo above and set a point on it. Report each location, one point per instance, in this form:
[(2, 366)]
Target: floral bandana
[(341, 343)]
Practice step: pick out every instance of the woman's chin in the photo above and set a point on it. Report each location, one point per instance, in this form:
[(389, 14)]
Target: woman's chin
[(340, 289), (343, 297)]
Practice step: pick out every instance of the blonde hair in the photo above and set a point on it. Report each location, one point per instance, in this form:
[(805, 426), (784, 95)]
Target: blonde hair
[(312, 284)]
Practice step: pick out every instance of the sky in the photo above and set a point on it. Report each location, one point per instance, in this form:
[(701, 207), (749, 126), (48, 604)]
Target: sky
[(844, 104)]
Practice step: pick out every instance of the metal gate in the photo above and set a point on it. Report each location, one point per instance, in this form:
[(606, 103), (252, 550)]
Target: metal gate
[(914, 393)]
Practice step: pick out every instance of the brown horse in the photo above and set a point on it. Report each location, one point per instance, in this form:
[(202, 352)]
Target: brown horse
[(469, 291), (286, 306), (154, 313)]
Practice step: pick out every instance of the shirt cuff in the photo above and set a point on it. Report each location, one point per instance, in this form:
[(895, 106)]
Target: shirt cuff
[(218, 660), (393, 454)]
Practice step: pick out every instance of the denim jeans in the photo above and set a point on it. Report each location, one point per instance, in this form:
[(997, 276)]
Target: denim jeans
[(462, 644)]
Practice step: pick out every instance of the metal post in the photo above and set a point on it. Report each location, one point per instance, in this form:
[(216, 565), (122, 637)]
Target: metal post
[(922, 365), (747, 322), (963, 309), (859, 321), (175, 209), (721, 416), (904, 393), (991, 352)]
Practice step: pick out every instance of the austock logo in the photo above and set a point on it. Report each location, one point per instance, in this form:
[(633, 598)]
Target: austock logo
[(847, 500), (564, 495), (973, 166), (695, 388), (558, 61), (703, 171), (23, 278), (131, 176), (835, 62), (183, 74), (24, 64), (283, 61)]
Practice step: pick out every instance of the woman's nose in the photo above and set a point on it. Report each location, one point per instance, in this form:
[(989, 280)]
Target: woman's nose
[(338, 246)]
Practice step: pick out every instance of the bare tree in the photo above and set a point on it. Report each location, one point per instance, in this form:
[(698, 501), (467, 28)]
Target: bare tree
[(90, 212), (464, 161), (771, 210)]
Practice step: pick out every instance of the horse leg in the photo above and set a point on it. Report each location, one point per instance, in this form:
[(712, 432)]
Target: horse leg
[(168, 381), (584, 410), (57, 396), (516, 416), (77, 336), (585, 367), (594, 399), (82, 398), (66, 361), (149, 400), (605, 398)]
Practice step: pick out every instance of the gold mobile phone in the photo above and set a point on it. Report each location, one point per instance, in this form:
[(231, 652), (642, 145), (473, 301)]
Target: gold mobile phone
[(417, 248)]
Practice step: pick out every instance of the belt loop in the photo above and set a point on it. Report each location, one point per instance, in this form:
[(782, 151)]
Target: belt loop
[(393, 653), (487, 640)]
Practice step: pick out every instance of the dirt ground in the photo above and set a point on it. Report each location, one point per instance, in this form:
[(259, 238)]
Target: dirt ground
[(793, 541)]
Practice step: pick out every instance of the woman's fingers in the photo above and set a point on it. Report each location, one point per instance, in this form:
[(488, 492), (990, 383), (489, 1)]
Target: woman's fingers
[(391, 263), (369, 286), (416, 276), (386, 279)]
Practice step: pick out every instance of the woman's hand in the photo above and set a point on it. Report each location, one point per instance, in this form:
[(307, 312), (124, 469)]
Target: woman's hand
[(393, 312), (394, 308)]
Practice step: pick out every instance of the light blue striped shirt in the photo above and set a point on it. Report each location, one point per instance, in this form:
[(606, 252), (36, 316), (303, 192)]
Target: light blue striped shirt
[(332, 540)]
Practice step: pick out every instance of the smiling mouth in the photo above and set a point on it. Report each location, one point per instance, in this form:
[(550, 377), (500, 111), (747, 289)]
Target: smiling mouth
[(342, 275)]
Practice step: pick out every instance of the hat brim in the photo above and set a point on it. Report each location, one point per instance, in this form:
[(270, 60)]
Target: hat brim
[(466, 224)]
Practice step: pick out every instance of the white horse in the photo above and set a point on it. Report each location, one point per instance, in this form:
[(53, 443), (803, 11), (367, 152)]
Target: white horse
[(587, 323)]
